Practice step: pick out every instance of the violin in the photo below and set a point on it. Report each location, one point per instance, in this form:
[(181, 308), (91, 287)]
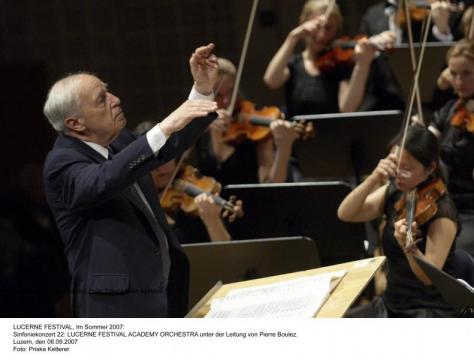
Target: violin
[(418, 11), (463, 117), (342, 51), (254, 124), (190, 183), (420, 205)]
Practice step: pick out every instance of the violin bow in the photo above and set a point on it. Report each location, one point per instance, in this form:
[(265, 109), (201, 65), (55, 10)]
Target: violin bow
[(179, 163), (416, 76), (413, 58), (243, 55)]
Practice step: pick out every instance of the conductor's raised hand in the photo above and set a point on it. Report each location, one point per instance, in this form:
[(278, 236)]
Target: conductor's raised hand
[(187, 111), (204, 68)]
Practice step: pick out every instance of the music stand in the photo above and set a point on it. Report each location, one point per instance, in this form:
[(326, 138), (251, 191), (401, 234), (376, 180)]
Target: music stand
[(455, 293), (236, 261), (346, 144), (433, 63), (299, 209)]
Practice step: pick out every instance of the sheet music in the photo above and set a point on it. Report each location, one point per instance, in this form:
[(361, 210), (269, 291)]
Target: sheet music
[(297, 298)]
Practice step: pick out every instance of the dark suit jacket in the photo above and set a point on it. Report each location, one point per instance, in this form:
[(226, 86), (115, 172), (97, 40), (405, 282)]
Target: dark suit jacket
[(113, 255)]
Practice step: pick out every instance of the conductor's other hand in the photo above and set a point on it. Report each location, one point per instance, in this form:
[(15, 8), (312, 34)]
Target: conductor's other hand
[(187, 111)]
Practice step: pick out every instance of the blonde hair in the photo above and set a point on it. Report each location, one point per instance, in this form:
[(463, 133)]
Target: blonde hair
[(226, 67), (466, 21), (313, 7), (464, 47)]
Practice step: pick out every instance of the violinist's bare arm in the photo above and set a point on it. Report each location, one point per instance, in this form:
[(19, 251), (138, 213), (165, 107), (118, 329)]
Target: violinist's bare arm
[(366, 201), (277, 72), (209, 212), (284, 135), (351, 93), (265, 159)]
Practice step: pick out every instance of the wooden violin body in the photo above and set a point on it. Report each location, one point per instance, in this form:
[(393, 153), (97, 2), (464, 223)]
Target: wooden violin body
[(340, 54), (254, 124), (426, 202), (189, 184), (247, 126), (464, 116)]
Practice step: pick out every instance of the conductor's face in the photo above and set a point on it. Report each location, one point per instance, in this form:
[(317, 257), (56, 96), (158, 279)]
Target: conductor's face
[(101, 114)]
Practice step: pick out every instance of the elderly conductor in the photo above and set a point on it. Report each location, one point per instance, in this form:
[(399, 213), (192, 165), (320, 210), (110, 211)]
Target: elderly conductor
[(123, 258)]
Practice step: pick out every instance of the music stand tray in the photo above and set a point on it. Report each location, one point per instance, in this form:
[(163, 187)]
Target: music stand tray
[(235, 261), (346, 145), (455, 293)]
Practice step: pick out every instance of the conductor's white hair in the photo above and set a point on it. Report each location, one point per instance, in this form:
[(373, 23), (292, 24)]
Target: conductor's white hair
[(63, 100)]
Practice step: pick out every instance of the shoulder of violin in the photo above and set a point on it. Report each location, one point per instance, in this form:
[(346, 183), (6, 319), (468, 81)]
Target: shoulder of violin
[(246, 106)]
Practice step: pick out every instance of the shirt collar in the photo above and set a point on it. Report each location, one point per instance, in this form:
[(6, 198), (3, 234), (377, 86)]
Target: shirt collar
[(99, 148)]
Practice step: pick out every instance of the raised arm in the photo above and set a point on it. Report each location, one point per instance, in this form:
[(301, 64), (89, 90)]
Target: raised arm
[(277, 72), (352, 92), (366, 201)]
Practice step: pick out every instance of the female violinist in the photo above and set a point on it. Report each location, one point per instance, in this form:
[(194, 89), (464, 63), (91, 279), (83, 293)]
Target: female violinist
[(444, 91), (409, 292), (308, 89), (246, 161), (189, 229), (454, 126)]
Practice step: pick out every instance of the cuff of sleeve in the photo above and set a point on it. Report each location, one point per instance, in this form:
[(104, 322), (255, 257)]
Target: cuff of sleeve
[(156, 139), (440, 36), (195, 95)]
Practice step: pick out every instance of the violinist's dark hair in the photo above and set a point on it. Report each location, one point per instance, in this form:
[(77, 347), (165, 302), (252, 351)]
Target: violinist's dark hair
[(422, 144)]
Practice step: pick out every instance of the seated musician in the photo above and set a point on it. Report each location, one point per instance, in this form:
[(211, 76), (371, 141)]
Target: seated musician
[(245, 161), (454, 126), (189, 228), (310, 86), (409, 292)]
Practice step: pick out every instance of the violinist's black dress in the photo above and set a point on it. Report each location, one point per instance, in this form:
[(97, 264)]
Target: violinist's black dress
[(406, 296), (457, 153)]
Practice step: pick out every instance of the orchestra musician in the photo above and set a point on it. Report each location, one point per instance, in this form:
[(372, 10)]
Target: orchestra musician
[(309, 89), (409, 292), (207, 226), (247, 161), (453, 124)]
